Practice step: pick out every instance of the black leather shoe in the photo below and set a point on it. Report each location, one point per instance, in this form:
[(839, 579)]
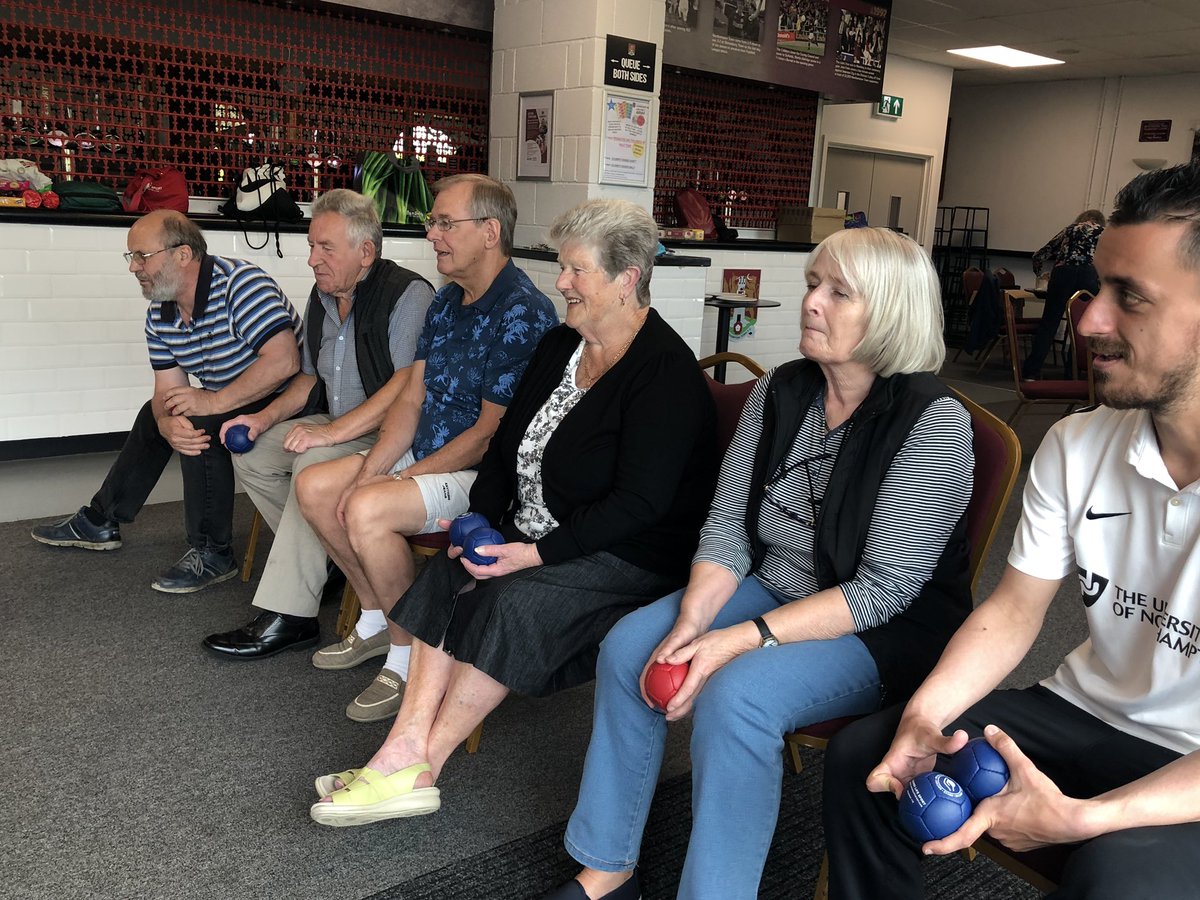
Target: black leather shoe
[(573, 890), (265, 635)]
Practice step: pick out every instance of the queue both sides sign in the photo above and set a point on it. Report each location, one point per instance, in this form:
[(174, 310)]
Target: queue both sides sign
[(629, 63)]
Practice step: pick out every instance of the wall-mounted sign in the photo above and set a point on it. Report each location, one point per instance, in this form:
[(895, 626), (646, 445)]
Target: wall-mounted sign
[(629, 63), (1154, 131), (837, 47), (890, 106), (625, 156)]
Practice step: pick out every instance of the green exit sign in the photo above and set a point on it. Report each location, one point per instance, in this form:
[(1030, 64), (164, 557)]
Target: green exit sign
[(891, 106)]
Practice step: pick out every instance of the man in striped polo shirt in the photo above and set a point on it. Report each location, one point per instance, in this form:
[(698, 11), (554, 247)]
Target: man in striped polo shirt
[(226, 323)]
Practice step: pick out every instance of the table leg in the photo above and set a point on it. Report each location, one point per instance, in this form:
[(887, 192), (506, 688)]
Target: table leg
[(722, 341)]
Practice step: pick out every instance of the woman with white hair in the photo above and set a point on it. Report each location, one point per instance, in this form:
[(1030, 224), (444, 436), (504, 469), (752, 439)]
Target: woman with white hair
[(598, 477), (831, 571)]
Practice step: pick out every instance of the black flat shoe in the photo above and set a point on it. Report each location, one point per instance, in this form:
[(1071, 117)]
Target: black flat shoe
[(265, 635), (573, 890)]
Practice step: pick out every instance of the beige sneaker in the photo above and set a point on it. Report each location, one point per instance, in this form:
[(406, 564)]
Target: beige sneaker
[(349, 653), (381, 699)]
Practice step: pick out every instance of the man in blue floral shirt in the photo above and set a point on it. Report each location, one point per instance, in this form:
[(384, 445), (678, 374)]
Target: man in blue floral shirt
[(479, 334)]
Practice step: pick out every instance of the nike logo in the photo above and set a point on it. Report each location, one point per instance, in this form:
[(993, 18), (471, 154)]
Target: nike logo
[(1095, 515)]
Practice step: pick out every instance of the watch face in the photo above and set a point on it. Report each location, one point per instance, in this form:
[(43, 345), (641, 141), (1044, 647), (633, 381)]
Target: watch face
[(770, 642)]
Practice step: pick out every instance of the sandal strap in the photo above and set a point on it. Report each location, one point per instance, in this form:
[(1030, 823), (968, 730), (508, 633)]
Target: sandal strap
[(372, 786)]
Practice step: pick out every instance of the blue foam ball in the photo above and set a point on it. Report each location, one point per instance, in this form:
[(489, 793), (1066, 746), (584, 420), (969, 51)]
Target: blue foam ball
[(481, 537), (464, 525), (979, 768), (933, 806), (237, 439)]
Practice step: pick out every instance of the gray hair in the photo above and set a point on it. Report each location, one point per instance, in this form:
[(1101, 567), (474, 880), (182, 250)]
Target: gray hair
[(490, 199), (362, 221), (620, 233), (897, 282), (180, 231)]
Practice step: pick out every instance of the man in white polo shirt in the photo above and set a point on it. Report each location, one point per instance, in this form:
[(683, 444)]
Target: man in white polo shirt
[(226, 323), (1104, 756)]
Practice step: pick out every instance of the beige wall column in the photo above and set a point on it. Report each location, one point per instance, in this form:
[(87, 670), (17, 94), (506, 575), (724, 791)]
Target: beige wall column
[(558, 45)]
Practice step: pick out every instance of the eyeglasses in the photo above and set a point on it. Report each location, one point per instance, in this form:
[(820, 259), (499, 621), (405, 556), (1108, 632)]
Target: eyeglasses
[(443, 224), (137, 256), (814, 504)]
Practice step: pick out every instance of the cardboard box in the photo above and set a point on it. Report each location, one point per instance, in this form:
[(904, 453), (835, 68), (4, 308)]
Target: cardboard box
[(12, 201), (808, 224)]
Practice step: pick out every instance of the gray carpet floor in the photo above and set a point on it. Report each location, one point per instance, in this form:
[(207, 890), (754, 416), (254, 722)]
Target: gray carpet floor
[(139, 766)]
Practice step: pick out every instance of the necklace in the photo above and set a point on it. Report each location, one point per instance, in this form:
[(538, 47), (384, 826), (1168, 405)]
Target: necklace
[(585, 368)]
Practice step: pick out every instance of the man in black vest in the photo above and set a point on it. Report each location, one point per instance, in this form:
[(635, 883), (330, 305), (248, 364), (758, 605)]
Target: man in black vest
[(361, 327)]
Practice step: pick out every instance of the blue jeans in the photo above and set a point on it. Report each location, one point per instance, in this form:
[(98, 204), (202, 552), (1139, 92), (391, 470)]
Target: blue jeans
[(737, 743)]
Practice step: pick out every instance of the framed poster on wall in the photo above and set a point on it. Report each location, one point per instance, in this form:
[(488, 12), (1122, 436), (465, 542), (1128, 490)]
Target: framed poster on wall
[(535, 130), (625, 140)]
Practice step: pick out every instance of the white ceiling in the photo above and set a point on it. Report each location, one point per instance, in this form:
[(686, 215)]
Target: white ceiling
[(1097, 39)]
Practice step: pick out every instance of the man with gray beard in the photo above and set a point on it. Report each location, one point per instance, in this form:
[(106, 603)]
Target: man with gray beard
[(227, 324)]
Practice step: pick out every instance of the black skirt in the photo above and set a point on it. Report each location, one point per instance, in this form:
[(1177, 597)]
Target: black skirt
[(536, 631)]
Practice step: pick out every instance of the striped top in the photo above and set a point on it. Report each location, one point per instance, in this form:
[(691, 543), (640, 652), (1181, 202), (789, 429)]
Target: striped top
[(239, 307), (919, 503)]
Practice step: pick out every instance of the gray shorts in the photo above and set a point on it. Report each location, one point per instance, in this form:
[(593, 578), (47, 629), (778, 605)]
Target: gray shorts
[(446, 495)]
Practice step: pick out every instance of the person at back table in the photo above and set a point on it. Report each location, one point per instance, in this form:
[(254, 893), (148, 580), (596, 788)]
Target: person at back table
[(598, 479), (227, 324), (830, 572), (478, 336), (1104, 755), (361, 327), (1069, 254)]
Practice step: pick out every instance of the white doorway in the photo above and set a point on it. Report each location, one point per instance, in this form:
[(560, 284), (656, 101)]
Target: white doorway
[(886, 186)]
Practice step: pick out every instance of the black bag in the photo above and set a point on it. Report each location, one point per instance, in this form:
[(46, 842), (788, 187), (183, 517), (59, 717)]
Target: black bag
[(262, 197), (87, 196)]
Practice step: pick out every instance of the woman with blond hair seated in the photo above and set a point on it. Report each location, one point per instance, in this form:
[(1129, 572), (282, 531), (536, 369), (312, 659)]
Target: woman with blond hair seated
[(831, 572)]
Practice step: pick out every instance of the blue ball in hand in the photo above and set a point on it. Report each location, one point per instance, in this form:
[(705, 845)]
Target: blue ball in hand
[(464, 525), (481, 537), (979, 768), (933, 806), (237, 439)]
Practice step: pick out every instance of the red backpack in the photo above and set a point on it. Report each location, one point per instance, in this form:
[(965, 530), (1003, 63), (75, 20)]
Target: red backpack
[(691, 209), (162, 188)]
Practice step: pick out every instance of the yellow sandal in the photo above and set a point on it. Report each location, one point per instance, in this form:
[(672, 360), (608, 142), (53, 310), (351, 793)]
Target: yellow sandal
[(373, 797), (327, 784)]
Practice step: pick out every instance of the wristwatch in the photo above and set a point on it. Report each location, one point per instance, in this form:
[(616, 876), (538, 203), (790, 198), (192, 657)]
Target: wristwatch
[(768, 639)]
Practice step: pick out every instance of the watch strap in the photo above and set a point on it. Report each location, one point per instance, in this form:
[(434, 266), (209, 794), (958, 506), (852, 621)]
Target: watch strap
[(765, 632)]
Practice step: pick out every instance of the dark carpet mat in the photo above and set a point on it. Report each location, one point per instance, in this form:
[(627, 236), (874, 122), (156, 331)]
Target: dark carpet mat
[(532, 865)]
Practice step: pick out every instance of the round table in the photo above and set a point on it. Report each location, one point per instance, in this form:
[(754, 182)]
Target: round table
[(724, 304)]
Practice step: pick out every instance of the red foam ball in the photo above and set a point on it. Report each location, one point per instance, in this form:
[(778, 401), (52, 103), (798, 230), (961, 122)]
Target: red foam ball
[(50, 200), (32, 199), (663, 681)]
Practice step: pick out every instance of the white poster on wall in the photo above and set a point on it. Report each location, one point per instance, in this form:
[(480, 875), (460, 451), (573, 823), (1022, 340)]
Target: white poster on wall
[(626, 140)]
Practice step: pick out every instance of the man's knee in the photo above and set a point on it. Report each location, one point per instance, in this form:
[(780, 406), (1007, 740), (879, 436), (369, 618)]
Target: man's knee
[(320, 486), (855, 750), (1136, 862)]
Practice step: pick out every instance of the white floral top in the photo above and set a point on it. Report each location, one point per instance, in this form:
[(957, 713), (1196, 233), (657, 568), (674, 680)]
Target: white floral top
[(533, 518)]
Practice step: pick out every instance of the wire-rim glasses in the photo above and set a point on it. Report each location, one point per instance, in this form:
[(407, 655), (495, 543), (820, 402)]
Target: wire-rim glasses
[(137, 256), (443, 225), (783, 473)]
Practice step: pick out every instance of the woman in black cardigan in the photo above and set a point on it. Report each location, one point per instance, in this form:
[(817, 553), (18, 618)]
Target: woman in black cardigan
[(599, 478)]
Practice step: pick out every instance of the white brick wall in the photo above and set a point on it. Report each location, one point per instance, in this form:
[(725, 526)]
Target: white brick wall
[(71, 321), (778, 330)]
